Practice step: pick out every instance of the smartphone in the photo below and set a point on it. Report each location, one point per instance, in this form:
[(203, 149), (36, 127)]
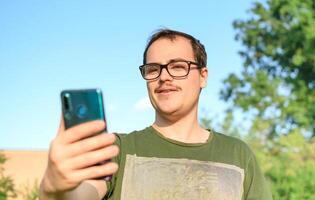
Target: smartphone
[(79, 106)]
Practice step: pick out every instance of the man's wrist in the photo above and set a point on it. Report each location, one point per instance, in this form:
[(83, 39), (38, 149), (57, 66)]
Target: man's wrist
[(46, 192), (83, 191)]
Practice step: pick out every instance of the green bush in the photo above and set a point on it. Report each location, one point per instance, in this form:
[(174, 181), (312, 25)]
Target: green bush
[(6, 183)]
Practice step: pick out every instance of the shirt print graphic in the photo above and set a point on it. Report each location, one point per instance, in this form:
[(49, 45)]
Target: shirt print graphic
[(149, 178)]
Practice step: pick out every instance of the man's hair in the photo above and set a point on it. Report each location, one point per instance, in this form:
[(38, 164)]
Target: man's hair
[(198, 48)]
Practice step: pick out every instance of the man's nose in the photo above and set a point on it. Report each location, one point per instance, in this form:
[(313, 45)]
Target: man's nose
[(165, 75)]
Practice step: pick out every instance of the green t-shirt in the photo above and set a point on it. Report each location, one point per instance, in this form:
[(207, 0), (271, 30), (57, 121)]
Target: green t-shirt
[(153, 167)]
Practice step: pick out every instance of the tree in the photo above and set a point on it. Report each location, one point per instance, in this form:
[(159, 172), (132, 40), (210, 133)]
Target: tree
[(289, 166), (276, 86), (275, 91), (6, 183)]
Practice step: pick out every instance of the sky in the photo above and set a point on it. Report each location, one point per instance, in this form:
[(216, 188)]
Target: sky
[(49, 46)]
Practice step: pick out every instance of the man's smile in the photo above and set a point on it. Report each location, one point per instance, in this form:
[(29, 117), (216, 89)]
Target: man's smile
[(166, 90)]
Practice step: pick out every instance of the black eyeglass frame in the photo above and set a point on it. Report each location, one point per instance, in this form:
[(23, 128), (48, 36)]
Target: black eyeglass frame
[(141, 68)]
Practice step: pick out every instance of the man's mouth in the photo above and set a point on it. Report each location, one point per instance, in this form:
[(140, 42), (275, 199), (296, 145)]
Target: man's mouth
[(166, 90)]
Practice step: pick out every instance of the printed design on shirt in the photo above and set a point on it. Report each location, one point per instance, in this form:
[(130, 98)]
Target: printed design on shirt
[(180, 179)]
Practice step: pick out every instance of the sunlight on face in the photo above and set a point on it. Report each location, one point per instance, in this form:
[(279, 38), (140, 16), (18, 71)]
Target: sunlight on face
[(170, 96)]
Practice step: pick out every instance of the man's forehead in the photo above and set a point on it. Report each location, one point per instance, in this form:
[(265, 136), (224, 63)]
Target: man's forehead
[(167, 42), (174, 38)]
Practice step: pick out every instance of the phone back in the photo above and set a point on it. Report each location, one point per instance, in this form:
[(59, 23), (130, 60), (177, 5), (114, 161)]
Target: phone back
[(79, 106)]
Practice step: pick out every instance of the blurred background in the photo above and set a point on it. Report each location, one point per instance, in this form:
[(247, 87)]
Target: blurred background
[(261, 88)]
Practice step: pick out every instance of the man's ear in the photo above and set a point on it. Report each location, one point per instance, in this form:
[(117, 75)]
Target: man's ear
[(203, 77)]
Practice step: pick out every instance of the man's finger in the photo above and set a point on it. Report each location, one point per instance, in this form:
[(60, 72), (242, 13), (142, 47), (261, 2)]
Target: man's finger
[(92, 143), (96, 171), (61, 125), (94, 157), (84, 130)]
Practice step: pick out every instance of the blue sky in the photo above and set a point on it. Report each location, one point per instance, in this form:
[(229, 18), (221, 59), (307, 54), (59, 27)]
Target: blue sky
[(48, 46)]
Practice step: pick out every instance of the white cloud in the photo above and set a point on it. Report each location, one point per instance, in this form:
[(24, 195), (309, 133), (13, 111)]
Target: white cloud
[(111, 107), (143, 104)]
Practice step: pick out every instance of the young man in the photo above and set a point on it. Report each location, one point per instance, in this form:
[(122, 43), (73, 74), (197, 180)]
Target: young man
[(172, 159)]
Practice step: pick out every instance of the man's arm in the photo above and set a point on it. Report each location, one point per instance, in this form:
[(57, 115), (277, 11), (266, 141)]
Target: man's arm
[(255, 183)]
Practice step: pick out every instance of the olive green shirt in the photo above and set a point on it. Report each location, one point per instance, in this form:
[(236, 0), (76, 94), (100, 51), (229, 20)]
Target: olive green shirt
[(153, 167)]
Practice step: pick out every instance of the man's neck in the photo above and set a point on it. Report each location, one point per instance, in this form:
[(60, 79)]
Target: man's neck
[(185, 129)]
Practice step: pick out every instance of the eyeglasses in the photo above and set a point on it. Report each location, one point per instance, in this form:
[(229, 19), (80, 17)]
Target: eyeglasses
[(176, 69)]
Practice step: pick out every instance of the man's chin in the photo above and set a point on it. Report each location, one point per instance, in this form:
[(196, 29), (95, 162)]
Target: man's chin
[(168, 113), (167, 109)]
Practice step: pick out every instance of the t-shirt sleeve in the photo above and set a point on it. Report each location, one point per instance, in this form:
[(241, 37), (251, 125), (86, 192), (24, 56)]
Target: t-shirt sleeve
[(111, 183), (255, 186)]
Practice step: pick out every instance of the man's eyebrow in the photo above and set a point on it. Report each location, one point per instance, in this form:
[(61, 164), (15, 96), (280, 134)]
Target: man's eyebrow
[(177, 59), (169, 61)]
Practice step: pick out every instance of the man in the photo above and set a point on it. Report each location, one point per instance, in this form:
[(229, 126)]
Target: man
[(172, 159)]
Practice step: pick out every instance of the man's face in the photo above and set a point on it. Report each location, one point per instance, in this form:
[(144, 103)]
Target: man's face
[(174, 96)]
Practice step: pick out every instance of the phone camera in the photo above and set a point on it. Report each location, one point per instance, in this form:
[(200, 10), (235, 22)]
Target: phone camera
[(81, 111), (66, 99), (68, 116)]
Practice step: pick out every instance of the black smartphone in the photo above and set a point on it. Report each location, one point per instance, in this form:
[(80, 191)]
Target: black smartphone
[(79, 106)]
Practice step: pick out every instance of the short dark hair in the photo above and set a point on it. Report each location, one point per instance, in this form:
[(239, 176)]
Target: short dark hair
[(198, 48)]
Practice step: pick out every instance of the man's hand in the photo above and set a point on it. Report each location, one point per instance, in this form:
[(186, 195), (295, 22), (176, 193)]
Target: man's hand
[(74, 156)]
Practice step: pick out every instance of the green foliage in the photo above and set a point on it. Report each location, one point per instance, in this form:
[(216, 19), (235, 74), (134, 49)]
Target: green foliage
[(289, 166), (226, 126), (29, 191), (8, 190), (277, 83), (6, 183), (276, 92)]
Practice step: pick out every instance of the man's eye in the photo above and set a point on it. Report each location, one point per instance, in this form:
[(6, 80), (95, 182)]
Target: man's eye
[(178, 67), (152, 69)]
